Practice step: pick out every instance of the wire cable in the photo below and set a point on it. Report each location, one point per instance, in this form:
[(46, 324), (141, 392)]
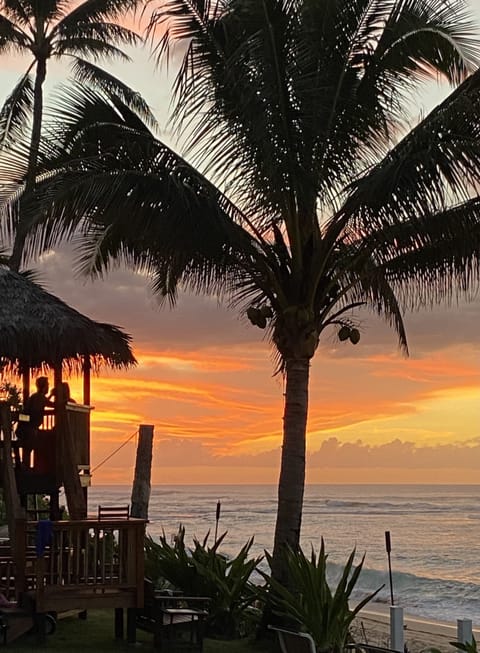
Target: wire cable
[(115, 451)]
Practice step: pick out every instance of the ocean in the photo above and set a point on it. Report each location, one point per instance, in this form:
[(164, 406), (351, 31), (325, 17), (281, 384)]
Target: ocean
[(435, 534)]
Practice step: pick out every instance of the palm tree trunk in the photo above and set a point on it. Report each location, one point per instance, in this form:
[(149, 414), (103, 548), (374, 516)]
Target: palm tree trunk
[(21, 231), (292, 470)]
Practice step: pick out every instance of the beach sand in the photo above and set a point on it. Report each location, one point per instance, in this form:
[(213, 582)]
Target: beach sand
[(373, 626)]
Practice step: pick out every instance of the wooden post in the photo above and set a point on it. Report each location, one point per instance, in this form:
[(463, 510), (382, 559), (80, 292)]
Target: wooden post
[(86, 380), (143, 470), (119, 628), (396, 629), (20, 557), (74, 494), (25, 384), (12, 500), (87, 367), (464, 631), (57, 375)]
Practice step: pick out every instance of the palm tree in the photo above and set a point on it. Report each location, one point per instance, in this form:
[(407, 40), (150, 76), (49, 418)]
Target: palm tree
[(53, 29), (330, 202)]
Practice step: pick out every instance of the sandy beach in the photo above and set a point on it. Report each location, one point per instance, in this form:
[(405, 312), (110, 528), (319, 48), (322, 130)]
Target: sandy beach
[(373, 626)]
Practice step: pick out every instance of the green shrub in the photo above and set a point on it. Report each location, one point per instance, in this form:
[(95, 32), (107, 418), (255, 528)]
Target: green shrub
[(309, 603), (203, 571), (468, 647)]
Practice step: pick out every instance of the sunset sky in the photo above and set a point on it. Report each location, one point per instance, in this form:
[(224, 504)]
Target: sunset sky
[(205, 377)]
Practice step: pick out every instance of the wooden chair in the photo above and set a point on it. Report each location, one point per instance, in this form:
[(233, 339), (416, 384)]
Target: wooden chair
[(113, 512), (293, 642), (175, 620)]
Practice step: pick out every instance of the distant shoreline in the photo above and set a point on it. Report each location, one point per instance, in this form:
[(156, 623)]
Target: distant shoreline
[(274, 485)]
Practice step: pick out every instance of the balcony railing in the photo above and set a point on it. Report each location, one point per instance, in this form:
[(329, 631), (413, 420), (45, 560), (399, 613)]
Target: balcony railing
[(88, 559)]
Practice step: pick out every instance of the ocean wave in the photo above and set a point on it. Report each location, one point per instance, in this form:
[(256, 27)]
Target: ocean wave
[(434, 533), (438, 598), (374, 507)]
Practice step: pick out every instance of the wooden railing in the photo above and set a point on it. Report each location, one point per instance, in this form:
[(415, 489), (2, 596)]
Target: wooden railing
[(87, 559)]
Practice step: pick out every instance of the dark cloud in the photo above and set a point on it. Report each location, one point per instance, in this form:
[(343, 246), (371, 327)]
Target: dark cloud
[(124, 298)]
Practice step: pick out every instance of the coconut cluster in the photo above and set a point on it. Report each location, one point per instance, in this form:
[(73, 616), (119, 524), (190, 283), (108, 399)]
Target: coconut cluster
[(258, 316), (349, 333)]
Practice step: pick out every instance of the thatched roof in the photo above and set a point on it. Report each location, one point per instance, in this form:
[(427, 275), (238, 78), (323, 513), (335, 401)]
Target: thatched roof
[(37, 329)]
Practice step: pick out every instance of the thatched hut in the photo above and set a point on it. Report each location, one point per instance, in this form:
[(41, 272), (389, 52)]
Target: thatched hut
[(39, 330)]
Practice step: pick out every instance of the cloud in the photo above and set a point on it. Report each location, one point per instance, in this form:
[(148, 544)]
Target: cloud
[(124, 298), (333, 454), (396, 454)]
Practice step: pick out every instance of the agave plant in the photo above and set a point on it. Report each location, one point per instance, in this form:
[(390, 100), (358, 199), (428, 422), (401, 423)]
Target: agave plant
[(203, 571), (310, 604), (468, 647)]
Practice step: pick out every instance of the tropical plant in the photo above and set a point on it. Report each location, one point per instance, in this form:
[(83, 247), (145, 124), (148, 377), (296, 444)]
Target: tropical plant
[(468, 647), (204, 571), (46, 30), (11, 394), (299, 108), (311, 605)]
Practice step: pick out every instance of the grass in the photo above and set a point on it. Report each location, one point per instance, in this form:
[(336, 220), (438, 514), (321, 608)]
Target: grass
[(96, 635)]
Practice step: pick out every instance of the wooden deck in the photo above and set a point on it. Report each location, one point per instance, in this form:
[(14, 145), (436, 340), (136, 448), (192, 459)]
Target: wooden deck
[(84, 562), (89, 564)]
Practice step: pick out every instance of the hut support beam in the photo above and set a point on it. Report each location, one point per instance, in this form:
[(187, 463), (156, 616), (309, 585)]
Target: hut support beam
[(76, 501), (12, 500), (25, 384), (86, 380)]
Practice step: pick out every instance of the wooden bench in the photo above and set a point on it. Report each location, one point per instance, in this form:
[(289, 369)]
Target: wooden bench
[(176, 621)]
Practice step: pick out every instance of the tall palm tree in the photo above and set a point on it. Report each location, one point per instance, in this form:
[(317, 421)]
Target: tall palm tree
[(53, 29), (330, 201)]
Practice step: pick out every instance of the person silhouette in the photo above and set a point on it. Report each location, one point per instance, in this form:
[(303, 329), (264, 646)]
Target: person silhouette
[(61, 393), (27, 432)]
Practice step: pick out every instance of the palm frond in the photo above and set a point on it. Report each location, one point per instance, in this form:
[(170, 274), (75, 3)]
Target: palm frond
[(97, 11), (12, 38), (16, 112), (101, 194), (436, 163), (94, 77), (89, 47), (433, 259), (103, 32), (420, 37), (17, 11)]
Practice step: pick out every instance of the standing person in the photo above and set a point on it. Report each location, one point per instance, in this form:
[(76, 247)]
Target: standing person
[(35, 405), (62, 394)]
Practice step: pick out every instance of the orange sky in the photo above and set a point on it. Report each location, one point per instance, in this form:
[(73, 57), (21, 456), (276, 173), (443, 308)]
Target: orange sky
[(205, 380)]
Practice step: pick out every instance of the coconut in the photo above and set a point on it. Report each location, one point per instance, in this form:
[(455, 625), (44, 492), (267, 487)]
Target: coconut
[(354, 336), (266, 311), (253, 314), (261, 320), (344, 333)]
